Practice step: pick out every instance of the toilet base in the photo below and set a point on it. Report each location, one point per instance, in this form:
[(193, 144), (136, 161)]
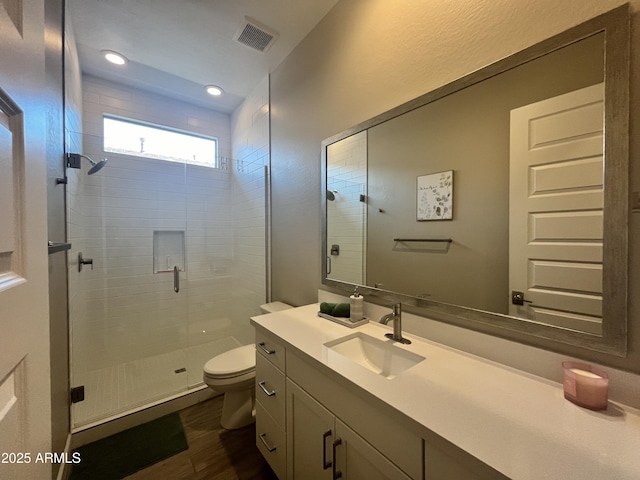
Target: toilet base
[(238, 409)]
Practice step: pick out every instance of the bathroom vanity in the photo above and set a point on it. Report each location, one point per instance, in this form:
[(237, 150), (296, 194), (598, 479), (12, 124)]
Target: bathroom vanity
[(430, 412)]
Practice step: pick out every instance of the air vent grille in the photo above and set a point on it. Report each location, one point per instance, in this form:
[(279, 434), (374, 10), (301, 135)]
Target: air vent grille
[(254, 35)]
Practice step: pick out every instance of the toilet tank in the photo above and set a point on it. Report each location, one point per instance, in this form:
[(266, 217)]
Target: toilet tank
[(273, 307)]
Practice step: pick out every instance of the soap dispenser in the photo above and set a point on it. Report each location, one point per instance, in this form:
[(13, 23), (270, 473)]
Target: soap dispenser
[(356, 307)]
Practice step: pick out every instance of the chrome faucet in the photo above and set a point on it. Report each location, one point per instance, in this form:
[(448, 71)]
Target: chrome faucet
[(396, 316)]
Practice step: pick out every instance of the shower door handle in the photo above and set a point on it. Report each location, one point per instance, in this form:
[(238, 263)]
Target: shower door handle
[(176, 279)]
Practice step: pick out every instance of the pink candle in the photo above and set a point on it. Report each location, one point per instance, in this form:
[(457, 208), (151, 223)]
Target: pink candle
[(585, 385)]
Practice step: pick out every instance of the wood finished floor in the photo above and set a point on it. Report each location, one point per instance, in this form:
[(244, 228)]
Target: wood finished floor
[(214, 453)]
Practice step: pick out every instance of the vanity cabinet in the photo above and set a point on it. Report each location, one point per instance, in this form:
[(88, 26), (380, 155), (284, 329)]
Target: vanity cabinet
[(451, 416), (312, 424), (323, 447), (308, 426)]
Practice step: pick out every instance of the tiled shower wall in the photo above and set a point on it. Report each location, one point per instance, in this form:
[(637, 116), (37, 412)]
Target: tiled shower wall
[(346, 214), (121, 310)]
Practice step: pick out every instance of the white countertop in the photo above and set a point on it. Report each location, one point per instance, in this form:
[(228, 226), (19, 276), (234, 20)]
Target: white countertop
[(517, 423)]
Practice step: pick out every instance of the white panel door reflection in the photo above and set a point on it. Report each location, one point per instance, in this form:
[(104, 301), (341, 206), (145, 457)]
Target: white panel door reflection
[(556, 207)]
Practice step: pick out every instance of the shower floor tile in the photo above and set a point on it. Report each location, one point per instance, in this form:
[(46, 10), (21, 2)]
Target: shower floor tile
[(114, 390)]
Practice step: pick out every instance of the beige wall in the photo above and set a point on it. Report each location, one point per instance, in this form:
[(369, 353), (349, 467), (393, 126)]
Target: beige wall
[(367, 56)]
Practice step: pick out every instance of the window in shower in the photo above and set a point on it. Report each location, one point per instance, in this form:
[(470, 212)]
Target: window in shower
[(130, 137)]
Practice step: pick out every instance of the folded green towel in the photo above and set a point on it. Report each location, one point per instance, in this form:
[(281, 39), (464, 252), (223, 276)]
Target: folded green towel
[(336, 309), (327, 308), (342, 310)]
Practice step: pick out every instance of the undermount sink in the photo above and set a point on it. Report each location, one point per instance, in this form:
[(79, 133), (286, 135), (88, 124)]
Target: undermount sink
[(380, 356)]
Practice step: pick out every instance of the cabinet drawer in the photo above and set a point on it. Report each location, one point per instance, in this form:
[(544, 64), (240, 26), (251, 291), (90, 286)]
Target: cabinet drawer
[(271, 348), (270, 389), (271, 441)]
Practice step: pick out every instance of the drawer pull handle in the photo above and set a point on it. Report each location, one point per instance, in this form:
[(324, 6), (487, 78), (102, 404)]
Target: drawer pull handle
[(266, 350), (325, 464), (336, 473), (268, 447), (264, 389)]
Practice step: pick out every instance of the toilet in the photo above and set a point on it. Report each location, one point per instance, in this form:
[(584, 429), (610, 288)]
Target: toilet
[(233, 373)]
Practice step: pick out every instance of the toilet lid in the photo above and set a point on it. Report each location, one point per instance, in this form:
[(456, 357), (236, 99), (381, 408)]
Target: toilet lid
[(233, 362)]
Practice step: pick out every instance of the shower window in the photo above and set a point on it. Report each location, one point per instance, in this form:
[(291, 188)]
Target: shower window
[(130, 137)]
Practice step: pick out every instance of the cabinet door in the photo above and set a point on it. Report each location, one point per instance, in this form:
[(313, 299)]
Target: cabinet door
[(310, 435), (356, 459), (444, 461)]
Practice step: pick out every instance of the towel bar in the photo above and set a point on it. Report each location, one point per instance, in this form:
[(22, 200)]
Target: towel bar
[(447, 240)]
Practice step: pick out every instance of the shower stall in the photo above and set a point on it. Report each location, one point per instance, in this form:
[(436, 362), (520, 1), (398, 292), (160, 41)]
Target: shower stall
[(167, 265)]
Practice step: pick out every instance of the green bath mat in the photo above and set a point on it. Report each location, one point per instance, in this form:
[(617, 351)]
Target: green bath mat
[(124, 453)]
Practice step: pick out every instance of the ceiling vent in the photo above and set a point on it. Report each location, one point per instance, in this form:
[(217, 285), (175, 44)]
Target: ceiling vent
[(255, 35)]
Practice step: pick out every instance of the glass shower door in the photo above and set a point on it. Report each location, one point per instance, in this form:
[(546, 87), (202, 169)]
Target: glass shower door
[(128, 310), (179, 262), (226, 256), (212, 327)]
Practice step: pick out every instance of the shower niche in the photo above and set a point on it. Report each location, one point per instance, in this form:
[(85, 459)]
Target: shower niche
[(168, 251)]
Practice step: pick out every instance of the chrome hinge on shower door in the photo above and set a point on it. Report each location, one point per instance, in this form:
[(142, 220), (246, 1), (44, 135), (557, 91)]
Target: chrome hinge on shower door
[(77, 394)]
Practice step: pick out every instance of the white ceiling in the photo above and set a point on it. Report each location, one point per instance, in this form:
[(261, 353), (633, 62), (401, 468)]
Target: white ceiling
[(175, 47)]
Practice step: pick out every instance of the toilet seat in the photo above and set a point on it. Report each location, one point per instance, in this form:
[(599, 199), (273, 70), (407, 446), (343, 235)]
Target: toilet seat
[(233, 363)]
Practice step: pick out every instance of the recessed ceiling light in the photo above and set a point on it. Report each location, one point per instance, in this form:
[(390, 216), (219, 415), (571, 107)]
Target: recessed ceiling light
[(214, 90), (114, 57)]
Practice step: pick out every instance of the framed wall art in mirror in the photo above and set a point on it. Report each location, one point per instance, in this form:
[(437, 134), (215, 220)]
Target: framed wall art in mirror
[(434, 196)]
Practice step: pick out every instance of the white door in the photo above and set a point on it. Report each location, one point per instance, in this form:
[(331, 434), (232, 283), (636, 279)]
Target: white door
[(25, 429), (555, 214)]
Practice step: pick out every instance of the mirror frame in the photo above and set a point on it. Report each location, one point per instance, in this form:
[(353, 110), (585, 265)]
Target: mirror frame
[(615, 25)]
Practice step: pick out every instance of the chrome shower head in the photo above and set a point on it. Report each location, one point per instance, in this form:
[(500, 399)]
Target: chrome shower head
[(331, 196)]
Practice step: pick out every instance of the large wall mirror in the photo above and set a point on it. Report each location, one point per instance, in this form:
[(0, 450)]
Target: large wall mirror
[(500, 199)]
